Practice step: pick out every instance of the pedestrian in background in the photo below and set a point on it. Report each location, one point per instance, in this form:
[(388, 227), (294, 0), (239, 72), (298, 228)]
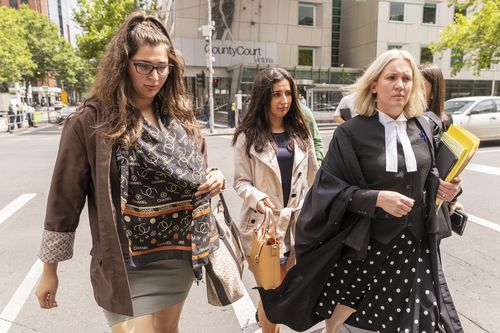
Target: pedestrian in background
[(345, 109), (134, 151), (232, 114), (19, 115), (30, 114), (439, 121), (316, 135), (367, 237), (11, 116), (206, 112), (274, 164)]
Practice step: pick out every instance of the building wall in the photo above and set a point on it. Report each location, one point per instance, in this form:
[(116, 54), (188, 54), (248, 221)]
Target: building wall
[(358, 38), (37, 5), (367, 32), (64, 8), (261, 21)]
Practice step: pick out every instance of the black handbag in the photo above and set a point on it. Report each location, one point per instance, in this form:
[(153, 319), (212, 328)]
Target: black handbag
[(225, 268), (458, 221)]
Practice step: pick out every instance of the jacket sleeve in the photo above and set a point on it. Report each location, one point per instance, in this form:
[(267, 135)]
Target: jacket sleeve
[(312, 167), (318, 142), (363, 202), (68, 191), (243, 176)]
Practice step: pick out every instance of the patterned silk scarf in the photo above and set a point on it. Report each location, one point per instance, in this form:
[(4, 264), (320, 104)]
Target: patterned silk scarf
[(161, 216)]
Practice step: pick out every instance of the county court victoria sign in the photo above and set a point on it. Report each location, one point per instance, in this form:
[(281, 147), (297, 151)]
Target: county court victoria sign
[(226, 53)]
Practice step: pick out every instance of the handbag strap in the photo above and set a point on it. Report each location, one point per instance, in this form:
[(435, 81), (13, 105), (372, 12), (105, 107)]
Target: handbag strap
[(227, 217), (268, 215)]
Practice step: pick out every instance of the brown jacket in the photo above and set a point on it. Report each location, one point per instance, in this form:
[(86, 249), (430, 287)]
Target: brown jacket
[(82, 171)]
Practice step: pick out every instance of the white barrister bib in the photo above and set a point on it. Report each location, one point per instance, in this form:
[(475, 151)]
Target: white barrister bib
[(396, 129)]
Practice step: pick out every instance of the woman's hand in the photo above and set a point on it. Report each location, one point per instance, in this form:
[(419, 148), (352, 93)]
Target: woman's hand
[(394, 203), (448, 191), (262, 204), (455, 206), (214, 184), (47, 287)]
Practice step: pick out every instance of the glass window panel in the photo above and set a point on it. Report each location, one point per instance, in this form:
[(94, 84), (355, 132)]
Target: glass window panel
[(459, 11), (484, 107), (429, 15), (306, 14), (456, 57), (426, 55), (394, 46), (397, 11), (306, 56)]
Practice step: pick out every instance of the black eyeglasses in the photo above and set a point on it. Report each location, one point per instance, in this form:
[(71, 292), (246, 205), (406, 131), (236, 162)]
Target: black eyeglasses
[(145, 68)]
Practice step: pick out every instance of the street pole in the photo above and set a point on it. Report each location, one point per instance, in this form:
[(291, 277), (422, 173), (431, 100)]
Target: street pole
[(210, 68)]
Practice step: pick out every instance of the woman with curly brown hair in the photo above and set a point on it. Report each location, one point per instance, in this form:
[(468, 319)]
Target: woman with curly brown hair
[(135, 152)]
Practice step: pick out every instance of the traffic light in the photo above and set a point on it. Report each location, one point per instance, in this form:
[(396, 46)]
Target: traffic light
[(215, 82), (200, 79)]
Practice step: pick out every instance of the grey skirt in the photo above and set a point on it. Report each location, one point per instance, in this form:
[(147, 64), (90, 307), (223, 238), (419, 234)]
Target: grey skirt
[(155, 287)]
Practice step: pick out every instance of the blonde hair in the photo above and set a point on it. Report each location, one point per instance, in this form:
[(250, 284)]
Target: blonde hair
[(365, 101)]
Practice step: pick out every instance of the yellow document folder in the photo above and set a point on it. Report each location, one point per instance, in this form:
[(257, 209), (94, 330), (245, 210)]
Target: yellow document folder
[(464, 145)]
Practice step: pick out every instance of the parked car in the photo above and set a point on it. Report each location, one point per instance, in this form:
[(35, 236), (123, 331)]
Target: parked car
[(65, 112), (479, 114)]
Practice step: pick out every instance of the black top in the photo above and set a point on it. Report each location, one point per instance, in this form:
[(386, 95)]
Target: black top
[(285, 161)]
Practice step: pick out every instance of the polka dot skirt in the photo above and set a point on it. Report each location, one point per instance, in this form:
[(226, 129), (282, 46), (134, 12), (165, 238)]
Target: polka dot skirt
[(392, 290)]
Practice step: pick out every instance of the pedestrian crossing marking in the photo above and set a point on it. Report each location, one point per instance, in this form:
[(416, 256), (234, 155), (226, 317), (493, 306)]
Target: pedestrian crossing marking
[(15, 205)]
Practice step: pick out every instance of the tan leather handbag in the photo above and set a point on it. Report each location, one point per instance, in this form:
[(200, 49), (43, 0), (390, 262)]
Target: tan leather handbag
[(264, 260)]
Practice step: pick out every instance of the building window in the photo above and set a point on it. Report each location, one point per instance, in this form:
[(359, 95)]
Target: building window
[(457, 57), (394, 46), (459, 11), (13, 3), (426, 55), (336, 21), (25, 2), (306, 14), (397, 12), (306, 56), (429, 15)]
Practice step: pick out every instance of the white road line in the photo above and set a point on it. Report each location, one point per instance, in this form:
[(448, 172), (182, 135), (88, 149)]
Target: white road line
[(17, 301), (245, 313), (484, 223), (483, 169), (488, 151), (11, 208)]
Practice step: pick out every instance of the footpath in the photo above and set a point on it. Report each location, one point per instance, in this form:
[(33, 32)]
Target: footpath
[(41, 118)]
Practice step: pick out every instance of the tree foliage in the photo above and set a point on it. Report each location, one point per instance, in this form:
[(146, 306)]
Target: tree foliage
[(476, 36), (99, 21), (15, 58), (32, 49)]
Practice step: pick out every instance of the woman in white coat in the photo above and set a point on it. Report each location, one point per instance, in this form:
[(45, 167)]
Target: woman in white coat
[(274, 164)]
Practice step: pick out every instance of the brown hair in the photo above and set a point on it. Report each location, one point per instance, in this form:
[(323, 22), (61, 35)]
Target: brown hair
[(256, 125), (433, 74), (112, 87)]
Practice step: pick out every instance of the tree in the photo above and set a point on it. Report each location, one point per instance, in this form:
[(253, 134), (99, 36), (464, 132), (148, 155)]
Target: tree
[(15, 58), (99, 21), (50, 53), (477, 36)]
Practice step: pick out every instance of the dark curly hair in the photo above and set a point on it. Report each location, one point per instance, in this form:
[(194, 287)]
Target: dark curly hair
[(121, 119), (256, 125)]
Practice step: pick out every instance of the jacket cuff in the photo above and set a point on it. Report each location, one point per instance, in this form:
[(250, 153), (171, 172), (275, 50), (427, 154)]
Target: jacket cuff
[(56, 246), (363, 202)]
